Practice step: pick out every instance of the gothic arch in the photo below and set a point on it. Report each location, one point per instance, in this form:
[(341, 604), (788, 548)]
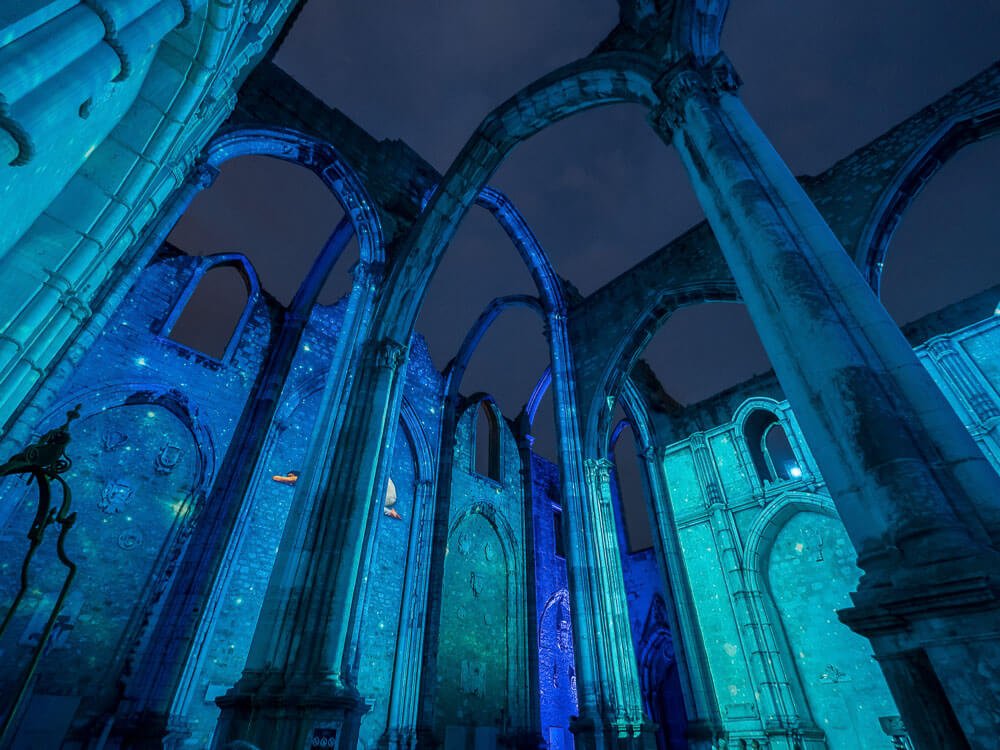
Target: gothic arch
[(598, 80), (423, 458), (954, 134), (804, 671), (753, 455), (456, 368), (153, 544), (659, 676), (769, 521), (111, 395), (470, 410), (550, 288), (629, 347), (320, 157), (516, 611), (203, 266)]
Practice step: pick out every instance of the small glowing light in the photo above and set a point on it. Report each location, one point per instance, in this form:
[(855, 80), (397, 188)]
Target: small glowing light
[(794, 472), (141, 361), (150, 414), (239, 600), (90, 151), (306, 348)]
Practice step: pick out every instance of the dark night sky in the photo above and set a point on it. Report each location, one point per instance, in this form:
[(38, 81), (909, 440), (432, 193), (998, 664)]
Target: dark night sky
[(601, 192)]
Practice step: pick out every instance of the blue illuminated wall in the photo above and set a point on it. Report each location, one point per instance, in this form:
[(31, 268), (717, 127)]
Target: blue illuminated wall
[(145, 453), (556, 668), (157, 418), (763, 557)]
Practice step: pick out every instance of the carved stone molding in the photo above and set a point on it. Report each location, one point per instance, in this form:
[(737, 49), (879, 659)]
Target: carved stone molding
[(598, 470), (682, 81), (388, 354)]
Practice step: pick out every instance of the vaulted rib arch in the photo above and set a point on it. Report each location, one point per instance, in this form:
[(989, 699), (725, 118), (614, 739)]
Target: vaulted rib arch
[(320, 157), (603, 79)]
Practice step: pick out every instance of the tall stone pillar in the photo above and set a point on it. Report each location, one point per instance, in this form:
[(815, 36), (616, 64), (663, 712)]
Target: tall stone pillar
[(297, 690), (608, 692), (703, 717), (916, 495), (401, 726)]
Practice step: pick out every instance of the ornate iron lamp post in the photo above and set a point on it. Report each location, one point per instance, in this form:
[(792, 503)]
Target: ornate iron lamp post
[(43, 461)]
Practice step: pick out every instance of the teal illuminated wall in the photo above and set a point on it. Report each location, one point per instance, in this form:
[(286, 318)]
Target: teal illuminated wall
[(768, 564), (482, 677)]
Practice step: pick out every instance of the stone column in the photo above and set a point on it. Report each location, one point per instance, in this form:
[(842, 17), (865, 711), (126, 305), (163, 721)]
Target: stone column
[(401, 726), (155, 699), (916, 495), (704, 721), (297, 688), (779, 712), (608, 692)]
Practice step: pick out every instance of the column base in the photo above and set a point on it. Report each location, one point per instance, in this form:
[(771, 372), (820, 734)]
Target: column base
[(939, 647), (595, 734), (263, 714)]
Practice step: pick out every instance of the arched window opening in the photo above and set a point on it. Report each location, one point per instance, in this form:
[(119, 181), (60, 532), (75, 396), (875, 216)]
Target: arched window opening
[(778, 452), (630, 482), (558, 533), (212, 314), (487, 443), (770, 450), (277, 213)]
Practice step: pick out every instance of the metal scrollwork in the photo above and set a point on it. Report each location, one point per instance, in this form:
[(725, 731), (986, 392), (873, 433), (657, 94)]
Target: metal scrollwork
[(43, 462)]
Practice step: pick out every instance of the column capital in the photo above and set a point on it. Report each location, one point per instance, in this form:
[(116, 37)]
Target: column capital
[(202, 175), (598, 469), (387, 353), (368, 273), (940, 347), (682, 81)]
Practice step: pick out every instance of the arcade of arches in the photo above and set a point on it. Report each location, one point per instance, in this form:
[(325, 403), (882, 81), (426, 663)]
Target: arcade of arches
[(308, 535)]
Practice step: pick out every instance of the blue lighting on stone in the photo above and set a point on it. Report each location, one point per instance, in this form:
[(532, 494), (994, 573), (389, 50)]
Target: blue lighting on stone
[(308, 536)]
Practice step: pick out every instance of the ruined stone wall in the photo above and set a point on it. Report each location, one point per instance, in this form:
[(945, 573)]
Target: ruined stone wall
[(768, 562), (156, 420), (482, 676)]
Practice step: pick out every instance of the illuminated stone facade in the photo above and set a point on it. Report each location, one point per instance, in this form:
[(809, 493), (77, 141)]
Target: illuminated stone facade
[(245, 579)]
